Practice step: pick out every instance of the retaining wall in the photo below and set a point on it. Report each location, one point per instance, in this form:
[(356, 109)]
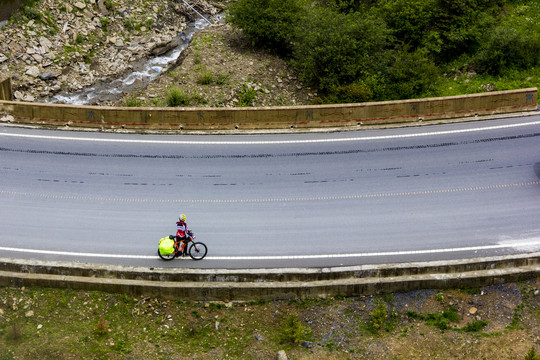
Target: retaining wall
[(245, 284), (298, 117)]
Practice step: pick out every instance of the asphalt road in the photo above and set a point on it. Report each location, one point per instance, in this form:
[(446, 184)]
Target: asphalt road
[(281, 200)]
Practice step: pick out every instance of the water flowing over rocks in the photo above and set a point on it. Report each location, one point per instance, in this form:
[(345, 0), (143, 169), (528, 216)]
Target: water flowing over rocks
[(79, 44)]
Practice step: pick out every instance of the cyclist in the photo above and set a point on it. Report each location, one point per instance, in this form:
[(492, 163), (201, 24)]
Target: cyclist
[(182, 233)]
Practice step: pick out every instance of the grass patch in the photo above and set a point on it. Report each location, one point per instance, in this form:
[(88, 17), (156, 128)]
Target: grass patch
[(205, 78), (441, 321), (246, 96), (176, 97), (132, 101)]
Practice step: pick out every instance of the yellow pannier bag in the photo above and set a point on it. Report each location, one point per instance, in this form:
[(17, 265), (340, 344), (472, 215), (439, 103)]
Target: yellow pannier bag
[(166, 246)]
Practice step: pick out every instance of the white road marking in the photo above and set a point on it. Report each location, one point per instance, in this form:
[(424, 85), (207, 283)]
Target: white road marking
[(270, 142), (530, 245)]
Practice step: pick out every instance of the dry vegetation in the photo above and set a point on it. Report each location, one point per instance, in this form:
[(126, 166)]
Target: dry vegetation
[(497, 322)]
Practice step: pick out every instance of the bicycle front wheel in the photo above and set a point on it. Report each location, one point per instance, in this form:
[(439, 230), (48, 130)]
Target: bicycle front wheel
[(197, 251)]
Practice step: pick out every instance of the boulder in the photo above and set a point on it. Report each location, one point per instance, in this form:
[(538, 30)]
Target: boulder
[(162, 48), (47, 76), (32, 71)]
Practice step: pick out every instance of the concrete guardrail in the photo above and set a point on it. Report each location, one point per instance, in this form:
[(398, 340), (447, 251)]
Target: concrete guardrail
[(293, 117), (243, 285)]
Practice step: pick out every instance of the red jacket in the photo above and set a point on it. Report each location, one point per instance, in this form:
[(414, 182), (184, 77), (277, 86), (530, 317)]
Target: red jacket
[(181, 229)]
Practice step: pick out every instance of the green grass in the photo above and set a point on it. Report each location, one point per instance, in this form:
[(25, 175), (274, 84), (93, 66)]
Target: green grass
[(176, 97), (68, 324), (480, 83)]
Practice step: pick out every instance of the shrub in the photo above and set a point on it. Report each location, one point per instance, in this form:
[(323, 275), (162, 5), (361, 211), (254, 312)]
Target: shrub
[(268, 23), (221, 79), (408, 19), (132, 101), (292, 330), (176, 97), (441, 321), (409, 75), (351, 93), (512, 45), (332, 49), (379, 315), (32, 13), (246, 96), (206, 78), (475, 326), (531, 355)]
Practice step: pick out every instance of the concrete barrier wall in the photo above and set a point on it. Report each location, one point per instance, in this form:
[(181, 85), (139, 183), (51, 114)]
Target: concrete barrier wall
[(5, 89), (245, 285), (321, 116)]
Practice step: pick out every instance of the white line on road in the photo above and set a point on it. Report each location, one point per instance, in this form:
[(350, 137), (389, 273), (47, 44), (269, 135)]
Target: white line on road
[(530, 245), (265, 142)]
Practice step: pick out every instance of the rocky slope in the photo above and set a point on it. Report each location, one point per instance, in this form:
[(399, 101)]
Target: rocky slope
[(52, 48), (56, 49)]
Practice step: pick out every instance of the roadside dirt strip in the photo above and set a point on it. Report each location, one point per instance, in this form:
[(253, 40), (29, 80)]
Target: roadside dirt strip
[(270, 284)]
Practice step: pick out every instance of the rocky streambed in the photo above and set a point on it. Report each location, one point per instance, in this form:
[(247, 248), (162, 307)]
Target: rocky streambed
[(87, 51)]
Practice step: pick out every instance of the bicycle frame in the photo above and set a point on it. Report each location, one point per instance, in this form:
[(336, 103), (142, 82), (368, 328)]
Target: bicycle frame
[(184, 244)]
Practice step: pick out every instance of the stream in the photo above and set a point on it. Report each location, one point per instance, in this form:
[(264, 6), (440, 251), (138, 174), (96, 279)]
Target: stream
[(111, 90)]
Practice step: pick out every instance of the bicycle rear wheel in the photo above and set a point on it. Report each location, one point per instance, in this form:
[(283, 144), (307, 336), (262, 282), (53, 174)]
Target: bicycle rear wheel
[(167, 257), (197, 251)]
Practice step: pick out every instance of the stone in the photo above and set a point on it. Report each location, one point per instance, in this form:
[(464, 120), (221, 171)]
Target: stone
[(47, 76), (102, 8), (281, 355), (162, 48), (473, 311), (80, 5), (32, 71), (45, 43), (29, 313), (3, 58), (38, 58)]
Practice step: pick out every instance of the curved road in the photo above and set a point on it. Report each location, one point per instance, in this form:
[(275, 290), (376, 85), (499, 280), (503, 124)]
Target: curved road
[(288, 200)]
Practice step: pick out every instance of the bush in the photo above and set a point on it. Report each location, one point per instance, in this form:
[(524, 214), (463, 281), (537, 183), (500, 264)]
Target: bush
[(246, 96), (514, 44), (352, 93), (531, 355), (292, 330), (409, 75), (457, 26), (408, 19), (132, 101), (206, 78), (176, 97), (332, 49), (475, 326), (268, 23)]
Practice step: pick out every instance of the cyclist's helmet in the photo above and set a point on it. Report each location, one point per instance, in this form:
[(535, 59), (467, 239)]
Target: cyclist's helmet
[(182, 217)]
